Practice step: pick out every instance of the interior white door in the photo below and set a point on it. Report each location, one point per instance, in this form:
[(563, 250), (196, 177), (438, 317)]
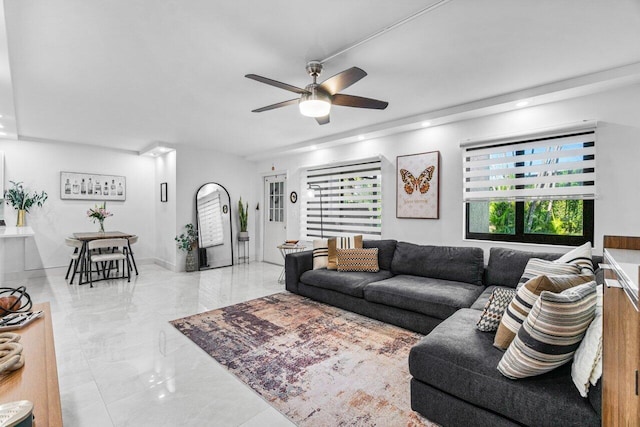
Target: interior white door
[(275, 222)]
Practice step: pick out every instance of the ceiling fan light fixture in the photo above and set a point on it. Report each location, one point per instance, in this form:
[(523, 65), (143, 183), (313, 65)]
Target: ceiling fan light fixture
[(314, 104)]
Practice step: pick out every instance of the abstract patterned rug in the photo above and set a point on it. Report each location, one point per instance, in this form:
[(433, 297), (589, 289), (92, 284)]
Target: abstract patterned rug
[(317, 364)]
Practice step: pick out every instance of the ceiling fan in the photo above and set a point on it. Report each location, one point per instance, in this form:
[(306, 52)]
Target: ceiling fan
[(316, 99)]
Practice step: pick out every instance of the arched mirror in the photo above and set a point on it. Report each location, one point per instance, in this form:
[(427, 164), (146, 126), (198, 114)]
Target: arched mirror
[(213, 212)]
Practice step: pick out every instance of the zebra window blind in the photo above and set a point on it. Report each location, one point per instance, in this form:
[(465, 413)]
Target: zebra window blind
[(351, 200), (559, 164)]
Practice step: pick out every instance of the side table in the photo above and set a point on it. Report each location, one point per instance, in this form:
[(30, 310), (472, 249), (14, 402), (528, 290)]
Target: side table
[(244, 242), (288, 249)]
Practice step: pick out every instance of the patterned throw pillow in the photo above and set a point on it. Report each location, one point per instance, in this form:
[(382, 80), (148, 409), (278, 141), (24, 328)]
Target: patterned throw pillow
[(320, 254), (494, 309), (580, 256), (551, 333), (358, 260), (540, 267), (335, 243), (525, 298)]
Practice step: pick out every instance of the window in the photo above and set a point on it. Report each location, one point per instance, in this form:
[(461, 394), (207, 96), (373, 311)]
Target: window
[(210, 232), (538, 188), (276, 201), (346, 200)]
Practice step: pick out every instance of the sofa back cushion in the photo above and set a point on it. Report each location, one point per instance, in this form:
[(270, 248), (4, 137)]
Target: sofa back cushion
[(506, 266), (386, 248), (439, 262)]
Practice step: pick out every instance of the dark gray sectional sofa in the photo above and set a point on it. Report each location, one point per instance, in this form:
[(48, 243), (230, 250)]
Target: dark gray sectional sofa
[(441, 291)]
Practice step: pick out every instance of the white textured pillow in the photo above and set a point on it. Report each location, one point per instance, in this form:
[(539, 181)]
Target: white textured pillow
[(320, 254), (541, 267), (580, 256), (587, 361)]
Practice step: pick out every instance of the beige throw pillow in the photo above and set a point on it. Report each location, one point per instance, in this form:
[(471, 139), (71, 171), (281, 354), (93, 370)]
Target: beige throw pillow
[(525, 298), (551, 332), (358, 260), (335, 243)]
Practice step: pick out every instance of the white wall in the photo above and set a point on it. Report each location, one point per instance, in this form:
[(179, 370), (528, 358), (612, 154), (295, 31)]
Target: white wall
[(38, 165), (618, 151), (196, 167), (165, 212)]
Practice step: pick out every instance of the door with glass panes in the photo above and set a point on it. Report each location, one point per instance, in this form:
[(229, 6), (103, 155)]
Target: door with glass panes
[(275, 223)]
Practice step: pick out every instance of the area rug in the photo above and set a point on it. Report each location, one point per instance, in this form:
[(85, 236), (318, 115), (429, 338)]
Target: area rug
[(317, 364)]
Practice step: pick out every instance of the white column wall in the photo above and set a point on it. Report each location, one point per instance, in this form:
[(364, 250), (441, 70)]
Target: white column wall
[(165, 212)]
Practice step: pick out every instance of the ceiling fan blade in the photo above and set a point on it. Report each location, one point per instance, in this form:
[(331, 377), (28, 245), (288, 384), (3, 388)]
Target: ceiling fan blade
[(276, 83), (342, 80), (358, 101), (323, 120), (278, 105)]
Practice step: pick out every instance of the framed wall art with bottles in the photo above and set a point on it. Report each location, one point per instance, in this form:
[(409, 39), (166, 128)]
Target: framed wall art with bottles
[(92, 186)]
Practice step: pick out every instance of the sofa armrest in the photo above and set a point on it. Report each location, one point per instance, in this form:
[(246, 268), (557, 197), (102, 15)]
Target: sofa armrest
[(294, 265)]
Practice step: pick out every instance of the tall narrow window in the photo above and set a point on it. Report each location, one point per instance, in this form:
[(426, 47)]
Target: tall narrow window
[(276, 201), (210, 231), (346, 200), (537, 188)]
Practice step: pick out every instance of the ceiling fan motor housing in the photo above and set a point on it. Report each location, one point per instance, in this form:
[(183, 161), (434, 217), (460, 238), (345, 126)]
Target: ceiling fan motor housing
[(314, 68)]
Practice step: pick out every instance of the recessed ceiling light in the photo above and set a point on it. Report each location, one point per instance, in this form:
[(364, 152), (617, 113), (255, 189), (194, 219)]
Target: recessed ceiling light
[(313, 147), (1, 126), (522, 104), (3, 134), (156, 149), (361, 137), (426, 124)]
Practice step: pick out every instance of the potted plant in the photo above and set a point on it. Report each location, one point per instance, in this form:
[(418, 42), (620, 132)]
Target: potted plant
[(22, 200), (243, 214), (187, 242)]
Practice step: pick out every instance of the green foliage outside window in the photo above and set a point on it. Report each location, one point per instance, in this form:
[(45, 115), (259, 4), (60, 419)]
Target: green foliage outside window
[(557, 217)]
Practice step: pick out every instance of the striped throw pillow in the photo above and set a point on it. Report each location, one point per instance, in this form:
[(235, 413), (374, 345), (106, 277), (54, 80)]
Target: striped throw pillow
[(494, 309), (541, 267), (525, 298), (551, 333), (580, 256), (320, 254), (335, 243), (358, 260)]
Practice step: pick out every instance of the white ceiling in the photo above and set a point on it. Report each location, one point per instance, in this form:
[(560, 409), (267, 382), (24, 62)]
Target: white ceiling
[(127, 73)]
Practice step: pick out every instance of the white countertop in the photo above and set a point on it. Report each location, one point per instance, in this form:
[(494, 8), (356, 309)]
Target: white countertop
[(9, 232)]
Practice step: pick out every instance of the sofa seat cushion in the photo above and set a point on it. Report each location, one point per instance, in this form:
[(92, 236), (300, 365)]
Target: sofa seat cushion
[(461, 361), (434, 297), (348, 282)]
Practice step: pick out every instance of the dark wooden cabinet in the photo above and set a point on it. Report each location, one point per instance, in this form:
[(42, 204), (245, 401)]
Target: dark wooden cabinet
[(621, 334)]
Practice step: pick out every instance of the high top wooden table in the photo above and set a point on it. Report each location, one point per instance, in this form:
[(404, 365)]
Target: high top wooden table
[(86, 237), (37, 380)]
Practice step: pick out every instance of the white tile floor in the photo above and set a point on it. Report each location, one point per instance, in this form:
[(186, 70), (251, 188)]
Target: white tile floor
[(120, 363)]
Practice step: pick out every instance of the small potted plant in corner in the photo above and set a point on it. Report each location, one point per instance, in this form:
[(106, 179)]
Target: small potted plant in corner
[(243, 214), (187, 242), (22, 200)]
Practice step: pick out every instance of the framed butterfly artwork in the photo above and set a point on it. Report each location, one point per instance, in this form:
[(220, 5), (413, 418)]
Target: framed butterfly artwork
[(418, 185)]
